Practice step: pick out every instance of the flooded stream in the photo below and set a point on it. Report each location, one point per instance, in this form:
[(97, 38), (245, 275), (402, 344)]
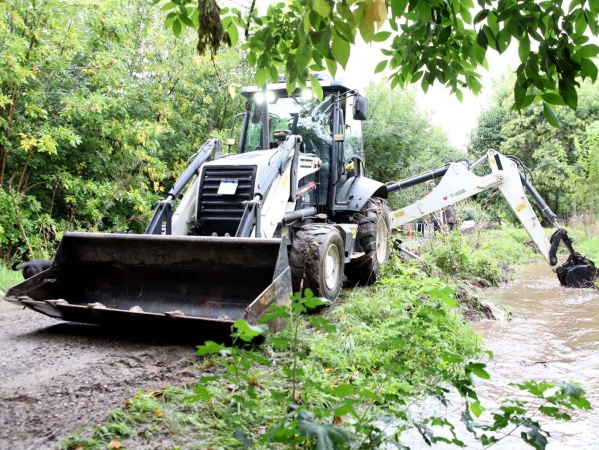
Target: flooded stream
[(553, 336)]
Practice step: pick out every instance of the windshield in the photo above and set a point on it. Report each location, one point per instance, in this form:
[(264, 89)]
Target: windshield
[(296, 115)]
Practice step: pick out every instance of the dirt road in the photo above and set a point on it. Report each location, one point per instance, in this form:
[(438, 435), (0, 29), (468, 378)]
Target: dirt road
[(56, 377)]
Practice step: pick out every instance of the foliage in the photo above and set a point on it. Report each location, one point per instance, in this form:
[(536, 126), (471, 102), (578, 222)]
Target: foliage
[(556, 157), (481, 256), (98, 114), (424, 41), (400, 139), (8, 278), (586, 181), (451, 256)]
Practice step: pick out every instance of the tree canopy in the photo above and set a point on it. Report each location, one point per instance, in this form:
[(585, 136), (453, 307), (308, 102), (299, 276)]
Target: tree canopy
[(99, 110), (558, 158), (424, 41)]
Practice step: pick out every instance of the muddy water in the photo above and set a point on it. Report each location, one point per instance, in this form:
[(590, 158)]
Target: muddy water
[(553, 336)]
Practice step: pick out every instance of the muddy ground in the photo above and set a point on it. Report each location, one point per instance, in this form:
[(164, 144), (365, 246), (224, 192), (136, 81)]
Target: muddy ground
[(56, 377)]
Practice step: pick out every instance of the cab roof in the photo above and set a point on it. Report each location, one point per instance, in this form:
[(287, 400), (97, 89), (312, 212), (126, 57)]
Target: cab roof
[(327, 83)]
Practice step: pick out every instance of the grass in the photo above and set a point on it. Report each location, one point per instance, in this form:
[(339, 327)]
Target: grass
[(8, 278)]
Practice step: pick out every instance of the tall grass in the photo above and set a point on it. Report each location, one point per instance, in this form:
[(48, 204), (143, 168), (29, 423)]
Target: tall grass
[(8, 278)]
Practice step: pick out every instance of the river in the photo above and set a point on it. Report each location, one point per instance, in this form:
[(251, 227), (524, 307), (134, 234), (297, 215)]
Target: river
[(553, 336)]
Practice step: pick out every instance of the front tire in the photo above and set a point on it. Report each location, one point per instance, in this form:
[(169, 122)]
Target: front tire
[(374, 230), (317, 257)]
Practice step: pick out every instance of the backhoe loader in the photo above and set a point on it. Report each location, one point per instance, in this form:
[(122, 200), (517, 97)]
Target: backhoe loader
[(286, 207)]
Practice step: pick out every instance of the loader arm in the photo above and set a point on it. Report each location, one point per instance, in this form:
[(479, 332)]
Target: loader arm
[(458, 182)]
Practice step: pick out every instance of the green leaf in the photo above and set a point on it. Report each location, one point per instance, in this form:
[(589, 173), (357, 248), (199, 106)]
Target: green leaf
[(476, 408), (322, 7), (331, 66), (380, 66), (588, 69), (588, 51), (478, 369), (398, 7), (550, 115), (451, 357), (169, 5), (381, 36), (554, 412), (317, 89), (186, 20), (201, 394), (344, 390), (177, 27), (533, 435), (524, 49), (170, 18), (233, 33), (344, 408), (552, 98), (328, 437), (341, 50), (260, 77), (247, 332), (241, 437), (320, 323), (210, 348)]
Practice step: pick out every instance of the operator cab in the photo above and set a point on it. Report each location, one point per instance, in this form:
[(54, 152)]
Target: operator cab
[(330, 129)]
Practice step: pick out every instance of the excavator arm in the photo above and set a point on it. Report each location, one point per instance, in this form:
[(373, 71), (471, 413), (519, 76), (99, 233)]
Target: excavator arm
[(458, 182)]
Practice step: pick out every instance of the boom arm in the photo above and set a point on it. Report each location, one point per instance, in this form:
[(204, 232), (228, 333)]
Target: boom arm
[(459, 183)]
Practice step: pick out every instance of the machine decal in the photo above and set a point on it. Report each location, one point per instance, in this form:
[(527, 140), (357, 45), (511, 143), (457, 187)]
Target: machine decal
[(228, 187), (520, 207), (399, 213), (306, 163), (454, 195)]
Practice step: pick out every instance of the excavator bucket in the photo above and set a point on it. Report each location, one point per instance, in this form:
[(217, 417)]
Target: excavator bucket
[(186, 285)]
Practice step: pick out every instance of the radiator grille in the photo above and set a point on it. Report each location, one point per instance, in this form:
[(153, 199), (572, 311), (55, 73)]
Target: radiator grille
[(222, 213)]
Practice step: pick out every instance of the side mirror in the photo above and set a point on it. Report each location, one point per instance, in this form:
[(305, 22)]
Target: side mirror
[(360, 108)]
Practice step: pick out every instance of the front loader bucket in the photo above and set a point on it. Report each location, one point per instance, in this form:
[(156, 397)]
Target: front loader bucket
[(160, 284)]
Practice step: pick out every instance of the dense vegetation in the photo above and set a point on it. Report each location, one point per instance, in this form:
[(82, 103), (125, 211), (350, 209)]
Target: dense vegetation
[(562, 161), (99, 110)]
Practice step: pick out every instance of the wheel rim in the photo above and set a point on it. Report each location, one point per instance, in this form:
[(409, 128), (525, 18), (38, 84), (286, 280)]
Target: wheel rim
[(332, 263), (381, 241)]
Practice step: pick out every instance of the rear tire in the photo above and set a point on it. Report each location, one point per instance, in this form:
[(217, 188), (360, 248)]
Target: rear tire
[(374, 231), (317, 257)]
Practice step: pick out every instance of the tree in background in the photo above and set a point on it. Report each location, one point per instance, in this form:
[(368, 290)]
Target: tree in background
[(400, 140), (99, 110), (585, 197), (551, 153)]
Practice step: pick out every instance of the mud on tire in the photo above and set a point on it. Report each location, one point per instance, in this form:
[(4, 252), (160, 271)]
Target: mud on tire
[(317, 257), (374, 231)]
